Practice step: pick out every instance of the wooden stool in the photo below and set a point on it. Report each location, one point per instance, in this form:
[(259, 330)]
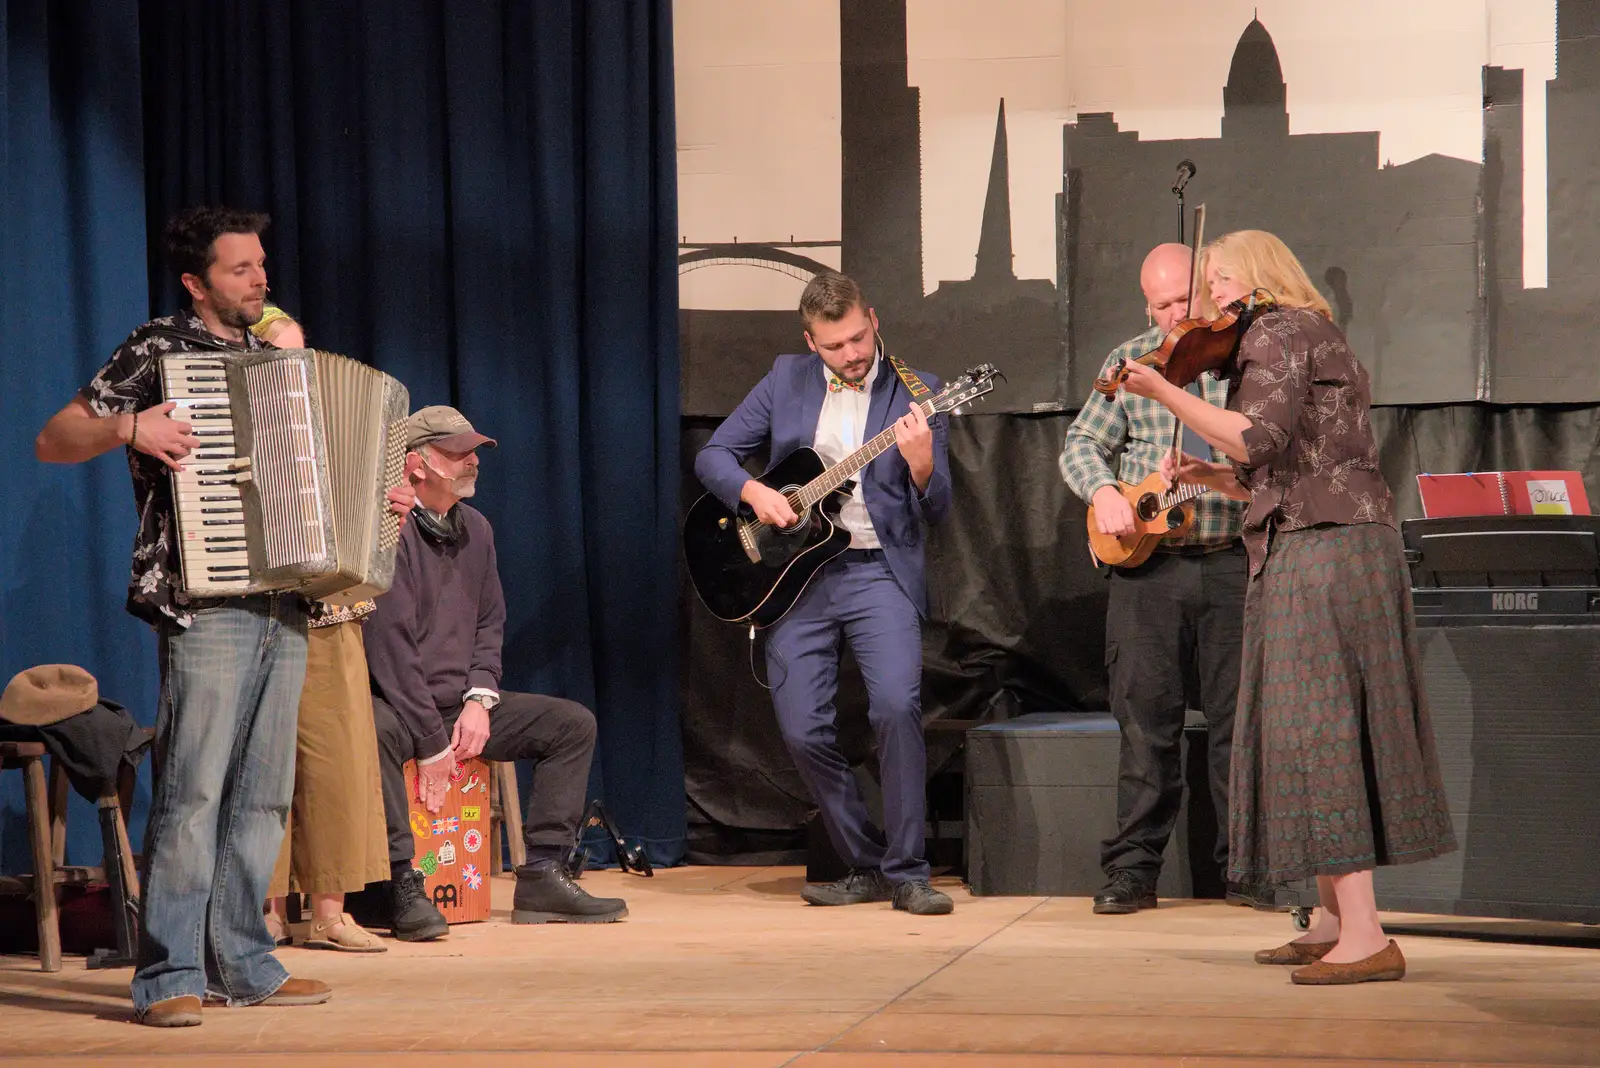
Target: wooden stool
[(29, 757), (505, 809), (47, 833)]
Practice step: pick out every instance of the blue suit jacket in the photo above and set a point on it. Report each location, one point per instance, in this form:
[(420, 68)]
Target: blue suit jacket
[(784, 408)]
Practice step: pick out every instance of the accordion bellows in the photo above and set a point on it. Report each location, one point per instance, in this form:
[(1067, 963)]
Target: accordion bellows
[(287, 490)]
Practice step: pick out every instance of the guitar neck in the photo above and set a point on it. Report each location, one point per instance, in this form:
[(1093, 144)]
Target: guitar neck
[(851, 465), (1186, 491)]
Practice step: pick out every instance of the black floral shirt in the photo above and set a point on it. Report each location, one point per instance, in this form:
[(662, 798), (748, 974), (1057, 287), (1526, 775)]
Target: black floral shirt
[(131, 382)]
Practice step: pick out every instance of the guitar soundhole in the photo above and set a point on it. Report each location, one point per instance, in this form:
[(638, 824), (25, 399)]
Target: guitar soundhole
[(1175, 519), (804, 519), (1149, 507)]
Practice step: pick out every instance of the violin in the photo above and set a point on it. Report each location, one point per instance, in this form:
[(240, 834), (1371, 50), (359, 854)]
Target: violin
[(1193, 346)]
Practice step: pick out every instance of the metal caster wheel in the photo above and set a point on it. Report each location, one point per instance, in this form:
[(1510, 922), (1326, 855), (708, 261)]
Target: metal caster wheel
[(1301, 918)]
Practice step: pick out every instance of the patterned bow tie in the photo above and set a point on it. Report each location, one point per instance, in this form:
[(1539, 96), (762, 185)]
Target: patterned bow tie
[(835, 384)]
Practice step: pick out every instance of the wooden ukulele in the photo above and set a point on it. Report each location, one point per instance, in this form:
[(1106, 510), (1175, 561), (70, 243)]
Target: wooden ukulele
[(1158, 513)]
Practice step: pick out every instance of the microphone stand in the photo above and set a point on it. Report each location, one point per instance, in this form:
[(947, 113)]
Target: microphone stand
[(1186, 171)]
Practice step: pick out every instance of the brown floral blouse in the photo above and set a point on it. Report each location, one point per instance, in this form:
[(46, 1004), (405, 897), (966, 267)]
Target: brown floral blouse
[(1313, 459)]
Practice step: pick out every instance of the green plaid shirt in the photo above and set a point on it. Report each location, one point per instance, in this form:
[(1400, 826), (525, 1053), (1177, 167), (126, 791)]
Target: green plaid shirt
[(1135, 433)]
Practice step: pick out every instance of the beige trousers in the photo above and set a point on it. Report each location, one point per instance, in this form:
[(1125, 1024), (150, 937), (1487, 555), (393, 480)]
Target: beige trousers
[(335, 841)]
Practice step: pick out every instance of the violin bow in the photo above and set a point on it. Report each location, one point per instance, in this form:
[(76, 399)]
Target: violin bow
[(1188, 311)]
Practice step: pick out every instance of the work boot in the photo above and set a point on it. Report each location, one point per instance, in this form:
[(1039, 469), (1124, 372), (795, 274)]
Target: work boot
[(547, 894), (415, 917)]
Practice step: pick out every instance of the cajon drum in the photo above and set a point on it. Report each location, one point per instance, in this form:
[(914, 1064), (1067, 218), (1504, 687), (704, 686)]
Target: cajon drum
[(452, 845)]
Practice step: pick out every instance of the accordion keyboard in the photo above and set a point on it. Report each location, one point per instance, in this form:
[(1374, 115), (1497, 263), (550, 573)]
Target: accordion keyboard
[(206, 496)]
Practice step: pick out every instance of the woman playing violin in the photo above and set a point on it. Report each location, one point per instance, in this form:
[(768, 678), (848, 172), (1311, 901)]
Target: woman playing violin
[(1334, 766)]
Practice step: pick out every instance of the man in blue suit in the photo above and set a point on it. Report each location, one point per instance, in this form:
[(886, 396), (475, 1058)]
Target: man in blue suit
[(873, 595)]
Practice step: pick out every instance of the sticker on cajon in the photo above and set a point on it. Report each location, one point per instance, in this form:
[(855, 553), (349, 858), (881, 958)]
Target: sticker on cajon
[(452, 845)]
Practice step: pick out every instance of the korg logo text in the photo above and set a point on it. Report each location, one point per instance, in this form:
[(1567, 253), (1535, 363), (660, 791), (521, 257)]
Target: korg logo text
[(1515, 602)]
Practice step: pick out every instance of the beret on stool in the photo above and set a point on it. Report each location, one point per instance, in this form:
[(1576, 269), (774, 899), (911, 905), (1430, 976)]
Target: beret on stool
[(48, 694)]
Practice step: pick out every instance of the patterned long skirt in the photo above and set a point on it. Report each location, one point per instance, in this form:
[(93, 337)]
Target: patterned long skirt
[(1334, 765)]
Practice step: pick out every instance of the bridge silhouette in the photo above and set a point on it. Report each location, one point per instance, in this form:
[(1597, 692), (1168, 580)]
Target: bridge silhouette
[(769, 255)]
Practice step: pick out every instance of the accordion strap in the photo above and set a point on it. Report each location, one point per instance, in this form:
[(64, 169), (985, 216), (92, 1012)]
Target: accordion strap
[(197, 340)]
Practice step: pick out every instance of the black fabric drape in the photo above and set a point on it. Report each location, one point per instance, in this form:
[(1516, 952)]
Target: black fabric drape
[(478, 198), (1017, 608)]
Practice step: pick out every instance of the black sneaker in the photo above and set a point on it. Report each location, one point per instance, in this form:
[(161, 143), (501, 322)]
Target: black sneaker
[(918, 897), (1125, 893), (415, 918), (858, 887), (547, 894)]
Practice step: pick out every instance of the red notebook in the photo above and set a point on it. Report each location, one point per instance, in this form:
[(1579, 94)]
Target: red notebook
[(1503, 493)]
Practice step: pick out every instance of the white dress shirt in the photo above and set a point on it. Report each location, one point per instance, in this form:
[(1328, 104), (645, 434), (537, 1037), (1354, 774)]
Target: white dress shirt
[(840, 430)]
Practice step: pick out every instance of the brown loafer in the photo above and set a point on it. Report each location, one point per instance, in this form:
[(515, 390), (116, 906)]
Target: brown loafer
[(1294, 953), (299, 992), (1386, 965), (181, 1011)]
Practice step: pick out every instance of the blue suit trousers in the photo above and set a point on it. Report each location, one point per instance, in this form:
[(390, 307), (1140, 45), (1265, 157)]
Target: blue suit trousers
[(856, 599)]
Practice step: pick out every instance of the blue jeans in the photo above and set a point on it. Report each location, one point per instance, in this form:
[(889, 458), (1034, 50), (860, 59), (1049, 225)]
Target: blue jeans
[(225, 735)]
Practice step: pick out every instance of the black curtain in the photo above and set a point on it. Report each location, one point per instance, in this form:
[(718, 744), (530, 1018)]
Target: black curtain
[(1017, 608), (478, 198)]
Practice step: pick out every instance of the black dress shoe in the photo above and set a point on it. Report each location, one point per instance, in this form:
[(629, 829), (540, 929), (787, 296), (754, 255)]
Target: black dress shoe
[(918, 897), (859, 887), (415, 917), (1125, 893), (547, 894)]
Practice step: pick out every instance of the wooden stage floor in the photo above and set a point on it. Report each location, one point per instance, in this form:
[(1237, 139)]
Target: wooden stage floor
[(725, 968)]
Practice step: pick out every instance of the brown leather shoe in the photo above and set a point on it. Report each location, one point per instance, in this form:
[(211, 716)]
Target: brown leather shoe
[(1386, 965), (299, 992), (1294, 953), (181, 1011)]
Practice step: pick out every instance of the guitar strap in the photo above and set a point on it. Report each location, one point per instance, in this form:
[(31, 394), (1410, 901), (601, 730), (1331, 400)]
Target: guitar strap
[(907, 375)]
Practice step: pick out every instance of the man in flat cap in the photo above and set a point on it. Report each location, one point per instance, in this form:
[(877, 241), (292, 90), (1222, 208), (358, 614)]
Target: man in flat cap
[(433, 648)]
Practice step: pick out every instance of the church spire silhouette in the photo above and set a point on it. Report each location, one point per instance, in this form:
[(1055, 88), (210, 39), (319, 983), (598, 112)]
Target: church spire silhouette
[(1255, 102), (994, 278), (994, 238)]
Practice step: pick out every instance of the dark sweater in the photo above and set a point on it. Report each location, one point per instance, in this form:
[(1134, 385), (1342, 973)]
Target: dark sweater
[(436, 634)]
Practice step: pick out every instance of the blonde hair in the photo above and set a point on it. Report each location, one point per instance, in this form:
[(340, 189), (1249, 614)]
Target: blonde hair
[(1261, 261)]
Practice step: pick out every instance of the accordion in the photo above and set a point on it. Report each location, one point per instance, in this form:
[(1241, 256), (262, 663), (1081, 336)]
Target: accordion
[(287, 489)]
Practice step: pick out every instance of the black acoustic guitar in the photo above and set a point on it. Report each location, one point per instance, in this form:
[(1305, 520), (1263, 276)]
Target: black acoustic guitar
[(748, 572)]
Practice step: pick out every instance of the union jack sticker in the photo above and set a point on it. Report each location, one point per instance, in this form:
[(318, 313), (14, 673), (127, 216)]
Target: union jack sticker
[(472, 877)]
